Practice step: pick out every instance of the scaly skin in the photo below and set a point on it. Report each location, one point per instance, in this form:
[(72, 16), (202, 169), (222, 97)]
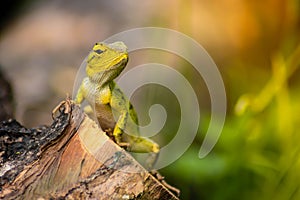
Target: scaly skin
[(104, 63)]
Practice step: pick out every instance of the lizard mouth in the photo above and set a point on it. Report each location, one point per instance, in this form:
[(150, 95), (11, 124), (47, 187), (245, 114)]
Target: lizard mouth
[(118, 67), (120, 61)]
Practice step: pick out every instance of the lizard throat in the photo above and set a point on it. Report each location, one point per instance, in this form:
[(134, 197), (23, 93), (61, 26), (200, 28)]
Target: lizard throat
[(105, 77)]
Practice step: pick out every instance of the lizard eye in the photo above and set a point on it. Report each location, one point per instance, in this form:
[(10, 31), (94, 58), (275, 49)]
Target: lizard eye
[(98, 51)]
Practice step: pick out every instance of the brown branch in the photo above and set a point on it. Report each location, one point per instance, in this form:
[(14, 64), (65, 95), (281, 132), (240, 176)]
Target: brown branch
[(71, 159)]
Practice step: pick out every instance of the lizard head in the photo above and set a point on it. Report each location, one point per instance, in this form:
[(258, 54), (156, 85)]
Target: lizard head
[(106, 61)]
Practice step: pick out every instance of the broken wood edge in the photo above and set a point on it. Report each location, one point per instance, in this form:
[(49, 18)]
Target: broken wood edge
[(83, 163)]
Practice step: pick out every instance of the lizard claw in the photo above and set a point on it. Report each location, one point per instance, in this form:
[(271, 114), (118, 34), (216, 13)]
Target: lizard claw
[(124, 145)]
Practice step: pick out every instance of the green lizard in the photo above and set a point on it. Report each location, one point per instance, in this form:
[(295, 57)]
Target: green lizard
[(104, 63)]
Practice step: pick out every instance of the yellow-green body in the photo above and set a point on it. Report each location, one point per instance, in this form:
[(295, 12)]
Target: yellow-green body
[(112, 109)]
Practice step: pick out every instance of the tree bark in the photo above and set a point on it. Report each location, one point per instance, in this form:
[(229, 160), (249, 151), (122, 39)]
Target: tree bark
[(71, 159)]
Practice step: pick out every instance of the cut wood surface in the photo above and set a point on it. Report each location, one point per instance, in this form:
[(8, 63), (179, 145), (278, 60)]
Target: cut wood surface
[(71, 159)]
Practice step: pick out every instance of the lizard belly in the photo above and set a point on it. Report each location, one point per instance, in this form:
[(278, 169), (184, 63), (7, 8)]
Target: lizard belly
[(105, 116)]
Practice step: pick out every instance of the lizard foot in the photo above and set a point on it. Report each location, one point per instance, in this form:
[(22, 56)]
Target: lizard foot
[(124, 145)]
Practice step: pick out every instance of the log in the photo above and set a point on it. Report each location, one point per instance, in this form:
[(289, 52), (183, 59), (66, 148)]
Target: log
[(71, 159)]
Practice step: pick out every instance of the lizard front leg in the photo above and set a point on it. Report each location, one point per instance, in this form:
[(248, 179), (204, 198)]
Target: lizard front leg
[(80, 96), (119, 129)]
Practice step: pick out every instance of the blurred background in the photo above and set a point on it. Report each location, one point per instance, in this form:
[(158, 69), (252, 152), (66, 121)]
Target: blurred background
[(255, 44)]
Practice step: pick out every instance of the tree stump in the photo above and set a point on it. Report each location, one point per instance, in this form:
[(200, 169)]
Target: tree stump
[(71, 159)]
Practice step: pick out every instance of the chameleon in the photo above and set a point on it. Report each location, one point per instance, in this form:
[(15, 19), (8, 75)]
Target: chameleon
[(113, 110)]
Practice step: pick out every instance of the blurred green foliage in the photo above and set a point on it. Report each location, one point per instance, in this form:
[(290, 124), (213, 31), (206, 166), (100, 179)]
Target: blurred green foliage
[(257, 155)]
